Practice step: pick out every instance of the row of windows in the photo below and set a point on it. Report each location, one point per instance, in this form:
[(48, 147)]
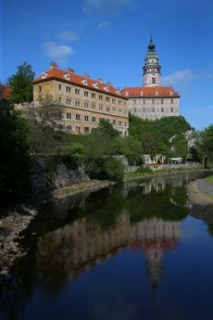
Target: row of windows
[(93, 119), (154, 101), (92, 94), (86, 104), (85, 129), (144, 110), (76, 129)]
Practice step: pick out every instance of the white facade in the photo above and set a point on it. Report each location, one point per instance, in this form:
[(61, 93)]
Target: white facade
[(152, 101)]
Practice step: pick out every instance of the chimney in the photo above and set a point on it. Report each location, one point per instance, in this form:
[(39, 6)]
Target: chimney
[(71, 70), (53, 64)]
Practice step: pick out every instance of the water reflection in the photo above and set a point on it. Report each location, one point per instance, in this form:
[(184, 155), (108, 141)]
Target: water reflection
[(151, 226), (77, 238), (83, 244)]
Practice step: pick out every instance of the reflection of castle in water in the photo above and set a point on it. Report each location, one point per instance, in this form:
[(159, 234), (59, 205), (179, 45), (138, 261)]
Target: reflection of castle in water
[(154, 236), (83, 244), (158, 184)]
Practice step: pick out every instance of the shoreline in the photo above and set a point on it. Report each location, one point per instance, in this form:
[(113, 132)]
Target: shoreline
[(197, 196), (17, 219)]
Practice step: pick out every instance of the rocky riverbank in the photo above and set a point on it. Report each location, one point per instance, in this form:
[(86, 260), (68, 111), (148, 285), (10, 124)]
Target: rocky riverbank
[(17, 219), (200, 194)]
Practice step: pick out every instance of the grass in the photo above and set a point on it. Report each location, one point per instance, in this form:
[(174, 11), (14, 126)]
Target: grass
[(209, 179), (149, 173)]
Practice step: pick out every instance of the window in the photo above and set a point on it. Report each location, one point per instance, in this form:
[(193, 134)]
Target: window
[(69, 128), (162, 109), (68, 115), (101, 107), (86, 129), (119, 102), (93, 119), (153, 80), (114, 122), (86, 93), (113, 100), (39, 89), (86, 118), (107, 109), (68, 101), (172, 101), (59, 87), (77, 103), (93, 95), (120, 123), (78, 117), (93, 105), (172, 109), (86, 104), (107, 99), (100, 97), (68, 89), (77, 91)]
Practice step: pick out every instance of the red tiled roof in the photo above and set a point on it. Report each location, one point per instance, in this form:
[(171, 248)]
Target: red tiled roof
[(132, 92), (6, 91), (73, 78)]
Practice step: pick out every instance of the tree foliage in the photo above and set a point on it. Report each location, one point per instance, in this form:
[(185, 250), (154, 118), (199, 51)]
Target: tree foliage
[(206, 144), (155, 136), (43, 119), (21, 84), (99, 145), (15, 160)]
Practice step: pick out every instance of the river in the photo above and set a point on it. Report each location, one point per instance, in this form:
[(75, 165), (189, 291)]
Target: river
[(130, 252)]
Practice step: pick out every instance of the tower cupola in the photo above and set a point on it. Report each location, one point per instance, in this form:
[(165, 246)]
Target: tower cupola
[(151, 69)]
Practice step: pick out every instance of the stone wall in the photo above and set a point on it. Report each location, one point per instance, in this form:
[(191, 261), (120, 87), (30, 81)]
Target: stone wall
[(50, 174)]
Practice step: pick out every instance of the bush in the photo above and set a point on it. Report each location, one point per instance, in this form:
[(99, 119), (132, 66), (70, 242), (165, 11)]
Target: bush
[(143, 169), (105, 168)]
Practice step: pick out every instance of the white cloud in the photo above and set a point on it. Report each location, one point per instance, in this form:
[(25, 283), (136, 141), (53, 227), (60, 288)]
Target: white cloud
[(68, 36), (57, 52), (103, 25), (179, 77), (105, 6)]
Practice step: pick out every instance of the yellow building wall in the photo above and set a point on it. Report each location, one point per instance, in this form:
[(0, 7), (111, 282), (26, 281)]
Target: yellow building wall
[(82, 105)]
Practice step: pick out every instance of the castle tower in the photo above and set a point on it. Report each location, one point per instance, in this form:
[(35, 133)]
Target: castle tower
[(151, 69)]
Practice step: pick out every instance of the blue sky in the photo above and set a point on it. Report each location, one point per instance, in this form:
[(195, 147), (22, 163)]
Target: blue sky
[(109, 38)]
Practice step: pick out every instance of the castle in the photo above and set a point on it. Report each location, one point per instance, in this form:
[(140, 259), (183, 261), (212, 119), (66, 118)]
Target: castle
[(152, 101), (85, 101)]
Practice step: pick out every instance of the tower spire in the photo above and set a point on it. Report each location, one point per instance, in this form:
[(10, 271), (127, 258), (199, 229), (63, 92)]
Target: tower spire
[(151, 69)]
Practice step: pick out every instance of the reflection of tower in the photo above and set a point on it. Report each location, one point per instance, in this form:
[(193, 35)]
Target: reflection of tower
[(154, 264), (154, 236)]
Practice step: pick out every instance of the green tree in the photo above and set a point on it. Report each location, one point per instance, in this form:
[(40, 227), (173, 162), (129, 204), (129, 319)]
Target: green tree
[(97, 161), (15, 160), (21, 84), (206, 145), (44, 118), (132, 149)]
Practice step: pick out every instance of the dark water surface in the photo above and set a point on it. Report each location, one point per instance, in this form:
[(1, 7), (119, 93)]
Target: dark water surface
[(132, 252)]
